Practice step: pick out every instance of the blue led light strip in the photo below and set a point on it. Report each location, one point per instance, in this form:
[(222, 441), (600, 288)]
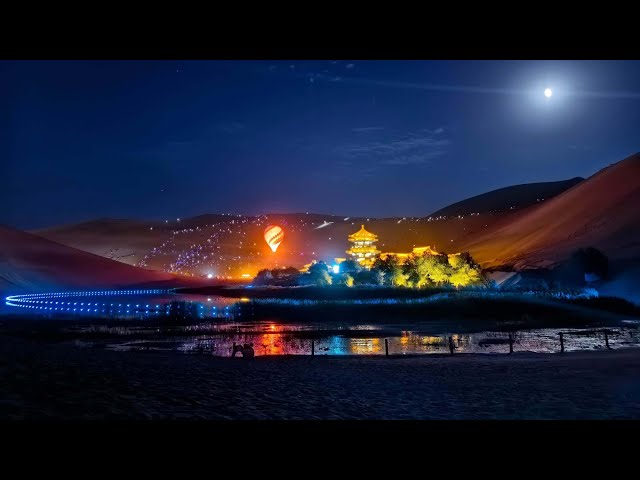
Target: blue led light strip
[(55, 301)]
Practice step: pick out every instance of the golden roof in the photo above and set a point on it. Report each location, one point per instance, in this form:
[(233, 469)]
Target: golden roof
[(363, 235), (423, 250), (356, 250)]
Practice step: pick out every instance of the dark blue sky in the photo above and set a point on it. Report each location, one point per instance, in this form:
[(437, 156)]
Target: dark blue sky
[(167, 139)]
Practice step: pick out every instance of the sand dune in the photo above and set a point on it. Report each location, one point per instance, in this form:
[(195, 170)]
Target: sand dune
[(30, 262), (508, 198), (126, 241), (237, 242), (601, 211)]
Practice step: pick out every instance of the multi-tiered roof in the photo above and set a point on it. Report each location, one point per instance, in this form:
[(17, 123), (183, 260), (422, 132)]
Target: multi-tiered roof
[(363, 236), (363, 249)]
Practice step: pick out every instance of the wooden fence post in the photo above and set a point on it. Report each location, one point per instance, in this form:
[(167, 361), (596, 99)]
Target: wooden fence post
[(606, 339), (313, 348), (451, 345), (386, 347), (510, 343), (561, 343)]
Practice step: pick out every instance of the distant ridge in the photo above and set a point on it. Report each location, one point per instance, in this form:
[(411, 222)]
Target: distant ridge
[(29, 262), (516, 196), (601, 211)]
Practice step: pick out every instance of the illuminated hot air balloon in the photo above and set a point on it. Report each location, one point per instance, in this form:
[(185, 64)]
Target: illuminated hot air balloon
[(273, 235)]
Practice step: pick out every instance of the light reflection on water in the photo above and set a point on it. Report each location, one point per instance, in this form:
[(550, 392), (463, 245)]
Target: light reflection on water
[(286, 340), (220, 325)]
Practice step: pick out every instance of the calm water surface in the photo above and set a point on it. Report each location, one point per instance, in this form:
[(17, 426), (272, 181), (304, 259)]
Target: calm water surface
[(225, 321)]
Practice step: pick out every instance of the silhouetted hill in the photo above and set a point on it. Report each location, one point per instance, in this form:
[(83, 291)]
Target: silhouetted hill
[(30, 262), (118, 239), (508, 198), (602, 211)]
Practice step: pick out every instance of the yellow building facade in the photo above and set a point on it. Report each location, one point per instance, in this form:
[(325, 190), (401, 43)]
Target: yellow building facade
[(363, 249), (417, 251)]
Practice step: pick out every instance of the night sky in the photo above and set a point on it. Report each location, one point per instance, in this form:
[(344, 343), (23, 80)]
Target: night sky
[(166, 139)]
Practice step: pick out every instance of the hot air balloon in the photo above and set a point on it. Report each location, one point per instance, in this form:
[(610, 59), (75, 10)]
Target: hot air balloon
[(273, 235)]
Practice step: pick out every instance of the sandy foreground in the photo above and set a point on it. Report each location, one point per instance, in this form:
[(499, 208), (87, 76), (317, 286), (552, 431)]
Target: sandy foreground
[(39, 380)]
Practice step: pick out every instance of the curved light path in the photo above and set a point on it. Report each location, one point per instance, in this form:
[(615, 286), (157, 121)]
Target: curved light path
[(109, 302)]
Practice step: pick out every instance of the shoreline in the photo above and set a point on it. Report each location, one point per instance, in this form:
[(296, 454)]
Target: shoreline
[(42, 380)]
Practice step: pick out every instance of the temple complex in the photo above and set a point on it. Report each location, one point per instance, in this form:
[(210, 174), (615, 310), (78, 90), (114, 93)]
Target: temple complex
[(363, 249), (417, 251)]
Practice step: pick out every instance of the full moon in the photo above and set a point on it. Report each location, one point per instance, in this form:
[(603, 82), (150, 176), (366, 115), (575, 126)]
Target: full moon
[(548, 92)]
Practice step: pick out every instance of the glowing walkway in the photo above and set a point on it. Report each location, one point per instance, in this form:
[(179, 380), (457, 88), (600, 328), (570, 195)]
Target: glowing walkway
[(69, 301), (107, 302)]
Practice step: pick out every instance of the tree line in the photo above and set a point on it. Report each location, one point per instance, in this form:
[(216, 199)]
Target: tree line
[(418, 271)]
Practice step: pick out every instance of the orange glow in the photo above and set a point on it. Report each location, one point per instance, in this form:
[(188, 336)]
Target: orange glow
[(365, 345), (270, 344), (273, 235)]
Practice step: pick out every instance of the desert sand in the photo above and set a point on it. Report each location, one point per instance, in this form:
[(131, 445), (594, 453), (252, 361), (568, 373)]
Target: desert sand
[(32, 263), (60, 381), (599, 211)]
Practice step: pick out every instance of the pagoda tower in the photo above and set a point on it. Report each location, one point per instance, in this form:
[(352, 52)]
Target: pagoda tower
[(363, 249)]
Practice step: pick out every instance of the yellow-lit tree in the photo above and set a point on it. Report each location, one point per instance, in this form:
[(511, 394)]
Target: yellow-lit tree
[(427, 270), (465, 271), (436, 268)]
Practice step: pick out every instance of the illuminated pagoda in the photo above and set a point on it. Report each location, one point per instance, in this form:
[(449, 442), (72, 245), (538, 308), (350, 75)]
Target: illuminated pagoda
[(363, 250)]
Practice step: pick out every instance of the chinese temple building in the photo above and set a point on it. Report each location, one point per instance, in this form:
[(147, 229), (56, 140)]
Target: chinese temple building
[(424, 250), (363, 249), (403, 257)]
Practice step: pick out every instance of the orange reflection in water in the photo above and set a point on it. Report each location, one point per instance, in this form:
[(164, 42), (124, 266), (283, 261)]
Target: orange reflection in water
[(269, 344), (359, 346)]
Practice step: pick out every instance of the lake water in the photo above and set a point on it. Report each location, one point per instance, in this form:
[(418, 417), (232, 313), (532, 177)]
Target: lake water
[(221, 322)]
